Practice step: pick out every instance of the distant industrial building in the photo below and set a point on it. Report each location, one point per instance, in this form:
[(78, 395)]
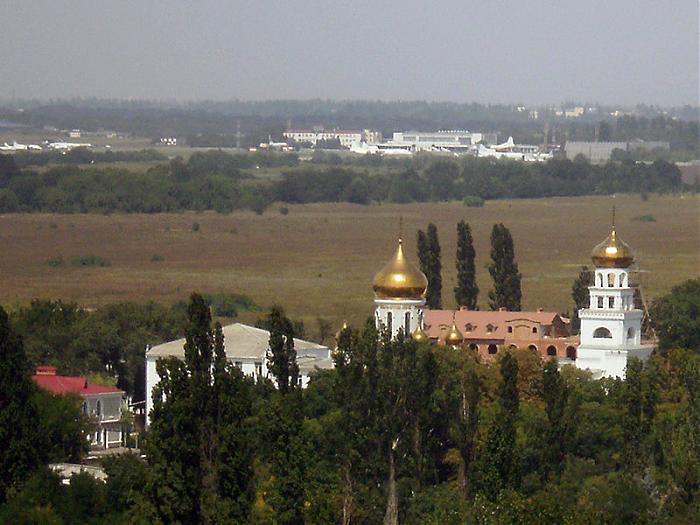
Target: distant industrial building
[(437, 140), (602, 151)]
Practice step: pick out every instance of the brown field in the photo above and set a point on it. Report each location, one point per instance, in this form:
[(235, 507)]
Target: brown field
[(319, 260)]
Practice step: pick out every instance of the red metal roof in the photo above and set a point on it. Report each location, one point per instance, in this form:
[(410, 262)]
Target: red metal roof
[(47, 379)]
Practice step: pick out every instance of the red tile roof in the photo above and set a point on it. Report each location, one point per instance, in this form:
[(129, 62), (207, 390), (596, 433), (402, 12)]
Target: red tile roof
[(434, 319), (47, 379)]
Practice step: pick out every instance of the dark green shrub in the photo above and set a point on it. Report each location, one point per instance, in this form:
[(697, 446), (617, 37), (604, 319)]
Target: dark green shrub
[(91, 260)]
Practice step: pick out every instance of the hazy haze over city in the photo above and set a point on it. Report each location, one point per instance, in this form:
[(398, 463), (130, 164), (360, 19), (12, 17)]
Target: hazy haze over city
[(622, 52)]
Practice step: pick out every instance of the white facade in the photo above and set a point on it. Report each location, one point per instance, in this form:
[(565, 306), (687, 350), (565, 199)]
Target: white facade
[(346, 137), (106, 410), (438, 140), (610, 326), (399, 315)]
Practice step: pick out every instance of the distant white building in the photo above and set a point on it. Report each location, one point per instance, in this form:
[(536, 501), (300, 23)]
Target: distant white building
[(346, 137), (440, 140), (246, 347)]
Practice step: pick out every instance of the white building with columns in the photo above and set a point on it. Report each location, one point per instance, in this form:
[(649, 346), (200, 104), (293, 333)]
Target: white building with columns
[(611, 326)]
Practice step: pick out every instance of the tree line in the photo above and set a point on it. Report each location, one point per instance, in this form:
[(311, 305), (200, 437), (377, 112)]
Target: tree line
[(503, 269), (397, 432), (219, 181)]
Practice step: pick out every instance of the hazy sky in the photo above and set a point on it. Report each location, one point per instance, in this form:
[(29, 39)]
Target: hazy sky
[(532, 51)]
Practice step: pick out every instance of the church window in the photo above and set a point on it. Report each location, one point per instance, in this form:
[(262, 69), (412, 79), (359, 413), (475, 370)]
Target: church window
[(630, 333), (600, 302), (611, 302), (611, 280), (490, 328), (468, 327), (600, 280), (407, 323), (571, 353), (534, 329), (602, 333), (493, 349), (389, 322), (551, 351), (510, 329), (474, 346), (532, 347)]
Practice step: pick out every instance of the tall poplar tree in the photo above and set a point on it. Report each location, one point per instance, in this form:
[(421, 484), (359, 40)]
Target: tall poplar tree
[(22, 448), (506, 291), (466, 291), (287, 450), (580, 295), (500, 468), (431, 264), (199, 448)]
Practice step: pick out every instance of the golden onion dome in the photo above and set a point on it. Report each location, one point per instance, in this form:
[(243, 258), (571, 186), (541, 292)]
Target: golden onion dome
[(613, 252), (400, 279), (419, 335), (454, 337)]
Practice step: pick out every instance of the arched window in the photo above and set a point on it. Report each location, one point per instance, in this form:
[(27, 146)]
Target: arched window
[(512, 347), (623, 280), (474, 346), (532, 347), (551, 350), (611, 302), (490, 328), (571, 353), (407, 324), (534, 329), (602, 333), (493, 349), (389, 322), (600, 280), (611, 280), (468, 327), (630, 333)]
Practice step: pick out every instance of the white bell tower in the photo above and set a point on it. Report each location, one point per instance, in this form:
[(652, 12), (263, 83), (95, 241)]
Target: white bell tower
[(611, 325), (399, 296)]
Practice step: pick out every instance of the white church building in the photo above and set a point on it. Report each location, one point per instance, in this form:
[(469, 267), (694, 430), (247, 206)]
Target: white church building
[(611, 326)]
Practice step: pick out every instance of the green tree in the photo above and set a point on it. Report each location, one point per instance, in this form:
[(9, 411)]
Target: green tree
[(500, 468), (22, 445), (198, 452), (580, 295), (466, 291), (504, 271), (676, 317), (287, 449), (555, 395), (431, 265)]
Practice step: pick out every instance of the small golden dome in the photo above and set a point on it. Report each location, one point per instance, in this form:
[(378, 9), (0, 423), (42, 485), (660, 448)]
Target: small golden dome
[(613, 252), (419, 336), (454, 337), (400, 279)]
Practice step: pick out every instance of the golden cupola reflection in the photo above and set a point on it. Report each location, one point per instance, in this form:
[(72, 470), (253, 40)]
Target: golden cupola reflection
[(613, 252), (400, 279), (454, 337), (419, 335)]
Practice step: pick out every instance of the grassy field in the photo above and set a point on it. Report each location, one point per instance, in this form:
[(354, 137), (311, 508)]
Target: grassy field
[(319, 260)]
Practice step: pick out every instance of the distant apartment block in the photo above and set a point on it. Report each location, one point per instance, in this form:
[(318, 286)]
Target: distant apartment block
[(346, 137)]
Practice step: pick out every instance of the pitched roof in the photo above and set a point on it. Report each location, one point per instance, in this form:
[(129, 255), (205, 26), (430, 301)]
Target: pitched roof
[(70, 384), (243, 341), (434, 320)]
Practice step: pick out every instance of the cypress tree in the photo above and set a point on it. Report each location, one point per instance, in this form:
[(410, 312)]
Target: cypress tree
[(555, 396), (580, 295), (466, 291), (21, 442), (431, 265), (504, 271)]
